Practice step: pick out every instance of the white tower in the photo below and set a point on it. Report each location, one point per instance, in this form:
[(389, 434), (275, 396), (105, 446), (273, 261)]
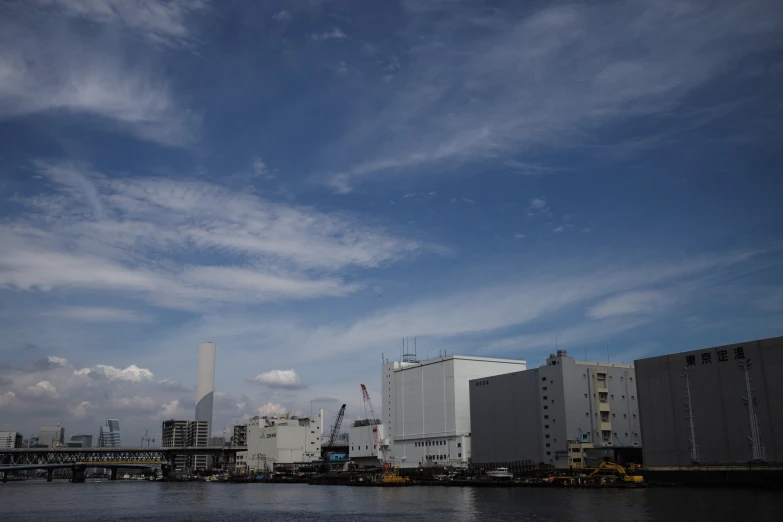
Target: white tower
[(205, 386)]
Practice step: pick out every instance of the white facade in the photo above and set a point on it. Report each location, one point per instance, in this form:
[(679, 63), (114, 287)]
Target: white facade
[(426, 407), (52, 437), (205, 385), (10, 439), (283, 441), (363, 443)]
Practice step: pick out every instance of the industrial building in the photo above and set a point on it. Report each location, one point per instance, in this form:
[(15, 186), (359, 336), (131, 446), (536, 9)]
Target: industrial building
[(52, 437), (79, 441), (10, 439), (109, 435), (554, 414), (367, 442), (721, 405), (426, 407), (186, 434), (283, 441)]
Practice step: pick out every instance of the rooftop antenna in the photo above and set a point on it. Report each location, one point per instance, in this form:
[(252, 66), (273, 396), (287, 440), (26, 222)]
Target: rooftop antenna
[(585, 351)]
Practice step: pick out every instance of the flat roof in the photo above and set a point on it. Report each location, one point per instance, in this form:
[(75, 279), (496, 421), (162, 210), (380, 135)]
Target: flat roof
[(768, 340), (436, 360)]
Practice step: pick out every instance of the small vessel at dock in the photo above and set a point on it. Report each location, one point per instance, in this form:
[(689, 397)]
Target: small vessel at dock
[(500, 473)]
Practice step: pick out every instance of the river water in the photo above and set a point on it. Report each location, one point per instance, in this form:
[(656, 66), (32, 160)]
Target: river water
[(173, 502)]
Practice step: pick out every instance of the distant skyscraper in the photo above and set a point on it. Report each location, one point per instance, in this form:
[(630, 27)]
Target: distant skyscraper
[(109, 436), (52, 437), (205, 386)]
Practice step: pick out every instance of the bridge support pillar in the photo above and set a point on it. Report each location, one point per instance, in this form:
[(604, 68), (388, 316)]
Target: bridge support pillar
[(49, 474), (78, 473), (165, 471), (113, 474), (5, 477)]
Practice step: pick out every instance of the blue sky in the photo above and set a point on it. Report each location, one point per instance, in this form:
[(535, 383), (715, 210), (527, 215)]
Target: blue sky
[(305, 183)]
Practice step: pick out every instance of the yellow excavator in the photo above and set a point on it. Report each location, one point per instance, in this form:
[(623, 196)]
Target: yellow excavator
[(610, 472)]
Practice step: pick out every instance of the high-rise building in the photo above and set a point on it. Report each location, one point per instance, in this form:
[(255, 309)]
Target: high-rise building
[(198, 437), (558, 414), (205, 385), (10, 439), (52, 437), (175, 435), (109, 435), (426, 407), (79, 441)]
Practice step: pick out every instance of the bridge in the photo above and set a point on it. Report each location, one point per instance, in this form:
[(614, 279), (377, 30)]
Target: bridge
[(79, 459)]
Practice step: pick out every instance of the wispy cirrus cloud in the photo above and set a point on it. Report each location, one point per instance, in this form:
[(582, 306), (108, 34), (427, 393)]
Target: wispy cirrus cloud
[(47, 67), (494, 85), (334, 34), (135, 229)]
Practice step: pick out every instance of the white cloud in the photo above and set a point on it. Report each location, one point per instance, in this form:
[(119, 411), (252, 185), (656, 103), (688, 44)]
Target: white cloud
[(278, 379), (171, 409), (7, 398), (538, 206), (97, 314), (335, 33), (342, 68), (559, 229), (82, 410), (267, 250), (628, 303), (519, 236), (282, 16), (259, 167), (132, 373), (271, 408), (57, 361), (43, 388)]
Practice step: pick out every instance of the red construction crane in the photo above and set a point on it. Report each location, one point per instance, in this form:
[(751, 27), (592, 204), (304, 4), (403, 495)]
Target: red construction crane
[(369, 412)]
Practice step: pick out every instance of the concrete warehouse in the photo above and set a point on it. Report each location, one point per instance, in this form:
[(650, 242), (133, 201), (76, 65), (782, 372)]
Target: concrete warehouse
[(554, 413), (283, 441), (426, 407), (721, 405)]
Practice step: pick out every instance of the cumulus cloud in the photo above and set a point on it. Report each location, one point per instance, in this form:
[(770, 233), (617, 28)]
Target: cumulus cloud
[(131, 374), (57, 361), (82, 410), (271, 408), (277, 379)]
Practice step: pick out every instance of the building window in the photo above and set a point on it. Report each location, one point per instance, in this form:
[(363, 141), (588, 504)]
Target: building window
[(604, 416), (546, 407), (548, 444), (543, 379), (612, 396), (606, 435), (577, 459), (626, 433), (601, 377), (546, 416), (544, 388), (625, 415), (459, 444), (546, 436), (546, 426), (553, 401), (633, 398), (548, 452), (602, 396), (459, 455), (544, 397), (576, 450), (634, 415), (585, 395), (621, 377)]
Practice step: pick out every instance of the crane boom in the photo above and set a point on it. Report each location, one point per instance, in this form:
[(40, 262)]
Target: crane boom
[(370, 414), (335, 431)]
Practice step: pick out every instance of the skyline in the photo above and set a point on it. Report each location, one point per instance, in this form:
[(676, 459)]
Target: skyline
[(307, 183)]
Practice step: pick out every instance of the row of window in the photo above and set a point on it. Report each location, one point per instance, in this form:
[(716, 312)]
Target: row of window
[(606, 418), (365, 447), (482, 383), (434, 443)]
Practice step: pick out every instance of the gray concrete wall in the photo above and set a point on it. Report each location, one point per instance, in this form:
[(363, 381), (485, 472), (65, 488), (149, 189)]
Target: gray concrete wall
[(721, 418), (506, 418)]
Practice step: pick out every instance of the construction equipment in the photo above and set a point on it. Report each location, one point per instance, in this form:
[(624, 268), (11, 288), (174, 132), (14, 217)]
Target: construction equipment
[(326, 451), (373, 421), (609, 472), (391, 475)]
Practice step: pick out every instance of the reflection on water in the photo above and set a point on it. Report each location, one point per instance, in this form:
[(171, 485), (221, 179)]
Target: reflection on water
[(202, 501)]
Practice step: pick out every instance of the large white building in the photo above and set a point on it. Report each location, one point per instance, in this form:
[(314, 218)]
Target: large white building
[(10, 439), (426, 407), (283, 441)]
